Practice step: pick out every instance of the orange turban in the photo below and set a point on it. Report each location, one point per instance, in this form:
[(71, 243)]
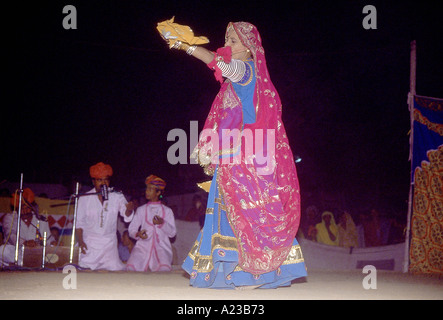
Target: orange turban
[(159, 183), (28, 195), (100, 170)]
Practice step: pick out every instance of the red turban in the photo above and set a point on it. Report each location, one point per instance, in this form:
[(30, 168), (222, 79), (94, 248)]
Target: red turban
[(159, 183), (100, 170), (28, 195)]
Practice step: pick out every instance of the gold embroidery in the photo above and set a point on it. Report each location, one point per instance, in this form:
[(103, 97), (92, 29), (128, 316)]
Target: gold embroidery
[(251, 76), (194, 250), (220, 204), (223, 242), (295, 256), (436, 127), (229, 100), (203, 263)]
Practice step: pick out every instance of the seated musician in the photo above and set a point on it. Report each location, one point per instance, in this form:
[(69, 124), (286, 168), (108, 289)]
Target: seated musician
[(32, 228)]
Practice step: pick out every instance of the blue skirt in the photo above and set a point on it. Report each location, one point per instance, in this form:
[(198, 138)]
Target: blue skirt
[(213, 260)]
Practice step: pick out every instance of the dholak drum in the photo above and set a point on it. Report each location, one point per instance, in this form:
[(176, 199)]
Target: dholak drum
[(55, 257)]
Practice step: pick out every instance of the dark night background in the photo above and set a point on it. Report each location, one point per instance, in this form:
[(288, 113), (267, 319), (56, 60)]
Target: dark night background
[(111, 90)]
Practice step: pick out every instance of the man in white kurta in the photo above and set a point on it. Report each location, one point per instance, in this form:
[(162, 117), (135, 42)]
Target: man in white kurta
[(97, 223), (28, 229), (31, 228), (153, 250), (28, 235)]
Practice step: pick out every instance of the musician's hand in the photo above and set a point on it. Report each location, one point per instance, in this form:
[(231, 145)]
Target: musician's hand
[(30, 243), (142, 234), (83, 247), (130, 206), (157, 220)]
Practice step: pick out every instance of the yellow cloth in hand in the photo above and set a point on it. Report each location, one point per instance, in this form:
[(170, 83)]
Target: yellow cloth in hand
[(173, 32)]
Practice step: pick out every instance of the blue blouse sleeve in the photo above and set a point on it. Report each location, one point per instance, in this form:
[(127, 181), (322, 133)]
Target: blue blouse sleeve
[(245, 91)]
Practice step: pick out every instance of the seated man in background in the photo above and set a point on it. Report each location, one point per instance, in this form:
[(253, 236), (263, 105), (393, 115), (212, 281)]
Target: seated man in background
[(32, 227)]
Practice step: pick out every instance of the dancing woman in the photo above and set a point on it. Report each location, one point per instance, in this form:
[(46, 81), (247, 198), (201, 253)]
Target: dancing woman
[(253, 209)]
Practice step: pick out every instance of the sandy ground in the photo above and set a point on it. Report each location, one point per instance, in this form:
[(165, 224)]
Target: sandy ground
[(103, 285), (175, 286)]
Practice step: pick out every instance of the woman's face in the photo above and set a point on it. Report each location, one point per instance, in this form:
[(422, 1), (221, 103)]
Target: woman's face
[(239, 51)]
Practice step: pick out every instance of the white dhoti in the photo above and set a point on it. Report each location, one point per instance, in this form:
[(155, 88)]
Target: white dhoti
[(102, 253)]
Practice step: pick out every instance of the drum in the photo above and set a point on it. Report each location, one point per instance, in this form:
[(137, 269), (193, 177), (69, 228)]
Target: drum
[(55, 257)]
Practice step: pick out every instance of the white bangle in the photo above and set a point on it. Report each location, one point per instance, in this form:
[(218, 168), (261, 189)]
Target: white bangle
[(177, 44), (191, 50)]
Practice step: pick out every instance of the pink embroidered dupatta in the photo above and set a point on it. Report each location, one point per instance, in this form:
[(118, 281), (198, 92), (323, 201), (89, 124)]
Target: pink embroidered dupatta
[(263, 207)]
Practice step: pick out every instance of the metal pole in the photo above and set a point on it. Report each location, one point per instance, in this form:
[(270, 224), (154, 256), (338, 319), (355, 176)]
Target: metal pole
[(17, 243), (71, 255), (44, 250), (413, 67), (411, 95)]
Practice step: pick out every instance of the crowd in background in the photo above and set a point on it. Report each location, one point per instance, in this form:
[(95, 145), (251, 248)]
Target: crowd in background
[(337, 227)]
